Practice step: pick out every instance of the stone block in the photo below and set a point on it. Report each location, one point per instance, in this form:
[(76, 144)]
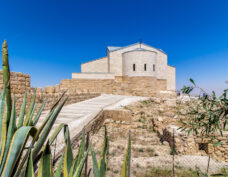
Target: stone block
[(49, 89)]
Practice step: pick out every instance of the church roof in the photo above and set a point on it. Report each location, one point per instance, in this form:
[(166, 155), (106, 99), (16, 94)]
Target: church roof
[(140, 49), (113, 48)]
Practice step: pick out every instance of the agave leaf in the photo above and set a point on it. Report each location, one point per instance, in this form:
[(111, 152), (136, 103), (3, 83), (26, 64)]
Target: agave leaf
[(125, 172), (43, 136), (52, 110), (96, 170), (36, 118), (104, 154), (2, 124), (22, 112), (32, 114), (102, 166), (58, 172), (31, 107), (81, 164), (45, 167), (51, 139), (11, 130), (6, 79), (16, 147), (3, 139), (79, 155), (68, 154), (56, 132), (44, 123), (29, 172), (57, 102)]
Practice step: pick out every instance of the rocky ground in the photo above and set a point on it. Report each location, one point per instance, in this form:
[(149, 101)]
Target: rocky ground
[(150, 156)]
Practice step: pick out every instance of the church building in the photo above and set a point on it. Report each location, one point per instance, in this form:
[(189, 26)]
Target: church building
[(138, 60)]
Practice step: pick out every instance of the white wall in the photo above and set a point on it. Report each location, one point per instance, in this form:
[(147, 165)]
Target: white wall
[(116, 60), (139, 58), (171, 78), (93, 76), (99, 65)]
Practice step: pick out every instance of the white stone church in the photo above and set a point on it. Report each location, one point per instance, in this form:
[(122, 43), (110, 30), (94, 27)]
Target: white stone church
[(136, 60)]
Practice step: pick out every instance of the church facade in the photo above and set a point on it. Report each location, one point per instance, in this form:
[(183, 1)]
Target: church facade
[(131, 63)]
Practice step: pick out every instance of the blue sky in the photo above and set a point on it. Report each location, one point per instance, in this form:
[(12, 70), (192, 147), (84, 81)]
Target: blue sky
[(49, 39)]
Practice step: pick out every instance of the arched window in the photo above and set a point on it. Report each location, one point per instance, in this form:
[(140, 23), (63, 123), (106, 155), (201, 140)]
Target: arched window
[(144, 67), (134, 67), (153, 67)]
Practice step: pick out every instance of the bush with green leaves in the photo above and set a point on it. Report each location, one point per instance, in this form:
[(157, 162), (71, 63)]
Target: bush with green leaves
[(209, 116)]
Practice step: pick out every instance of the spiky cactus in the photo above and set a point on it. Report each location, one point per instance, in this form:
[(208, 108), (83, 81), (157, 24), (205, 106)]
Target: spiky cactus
[(6, 78)]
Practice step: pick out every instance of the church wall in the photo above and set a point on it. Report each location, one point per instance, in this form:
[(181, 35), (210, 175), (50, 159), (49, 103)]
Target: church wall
[(99, 65), (161, 62), (139, 58), (116, 63), (93, 75), (171, 79), (121, 67)]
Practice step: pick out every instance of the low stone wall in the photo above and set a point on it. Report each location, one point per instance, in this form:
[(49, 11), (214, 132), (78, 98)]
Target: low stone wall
[(136, 86), (52, 93), (189, 145), (118, 115), (20, 82)]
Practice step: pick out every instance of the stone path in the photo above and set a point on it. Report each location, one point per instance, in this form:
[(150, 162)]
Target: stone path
[(80, 114)]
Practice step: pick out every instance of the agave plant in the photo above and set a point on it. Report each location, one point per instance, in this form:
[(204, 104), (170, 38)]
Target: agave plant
[(14, 134), (6, 78), (125, 172), (18, 160), (73, 166), (68, 165), (99, 170)]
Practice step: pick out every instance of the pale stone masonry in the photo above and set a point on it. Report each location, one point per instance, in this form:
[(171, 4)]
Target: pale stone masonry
[(136, 60), (19, 82)]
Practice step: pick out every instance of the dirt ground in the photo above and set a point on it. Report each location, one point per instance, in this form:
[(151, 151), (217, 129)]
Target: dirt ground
[(150, 157)]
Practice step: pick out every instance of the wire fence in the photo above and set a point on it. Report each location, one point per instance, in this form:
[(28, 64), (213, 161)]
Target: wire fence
[(201, 163), (175, 164)]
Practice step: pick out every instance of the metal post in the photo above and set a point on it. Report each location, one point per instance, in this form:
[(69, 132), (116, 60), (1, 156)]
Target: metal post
[(130, 155), (173, 153), (209, 158)]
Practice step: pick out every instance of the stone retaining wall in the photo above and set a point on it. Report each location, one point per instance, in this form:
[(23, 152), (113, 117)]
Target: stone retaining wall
[(20, 82), (136, 86), (189, 145)]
